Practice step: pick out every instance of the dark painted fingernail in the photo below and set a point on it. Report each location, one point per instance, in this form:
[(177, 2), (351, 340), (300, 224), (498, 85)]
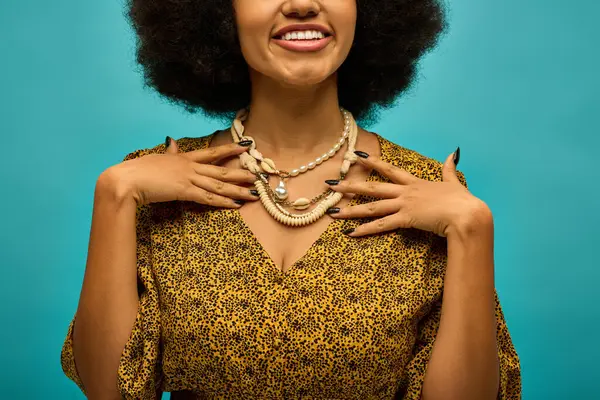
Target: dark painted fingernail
[(332, 210), (332, 182), (240, 202), (348, 231), (457, 156), (167, 141), (254, 192), (361, 154), (245, 143)]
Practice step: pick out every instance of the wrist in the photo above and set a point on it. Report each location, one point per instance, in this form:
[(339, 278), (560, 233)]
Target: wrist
[(112, 186), (475, 222)]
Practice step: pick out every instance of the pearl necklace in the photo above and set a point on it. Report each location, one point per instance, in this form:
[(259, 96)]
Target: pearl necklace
[(270, 198), (268, 166), (326, 156)]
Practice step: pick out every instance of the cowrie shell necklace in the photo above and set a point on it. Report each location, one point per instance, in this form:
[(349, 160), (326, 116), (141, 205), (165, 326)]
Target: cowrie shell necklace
[(274, 200)]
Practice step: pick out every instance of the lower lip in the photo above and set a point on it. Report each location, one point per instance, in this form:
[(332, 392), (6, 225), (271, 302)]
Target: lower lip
[(304, 45)]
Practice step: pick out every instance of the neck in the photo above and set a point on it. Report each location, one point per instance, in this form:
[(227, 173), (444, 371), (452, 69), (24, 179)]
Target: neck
[(285, 120)]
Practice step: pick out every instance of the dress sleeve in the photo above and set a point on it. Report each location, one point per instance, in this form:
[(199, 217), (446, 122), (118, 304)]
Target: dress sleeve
[(140, 370), (510, 376)]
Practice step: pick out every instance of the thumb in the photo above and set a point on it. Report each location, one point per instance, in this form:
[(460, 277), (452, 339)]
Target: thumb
[(449, 167), (171, 145)]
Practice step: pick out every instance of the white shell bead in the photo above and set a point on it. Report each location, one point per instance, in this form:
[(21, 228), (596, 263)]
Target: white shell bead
[(301, 204), (311, 165), (256, 154), (237, 124), (303, 168), (319, 160), (295, 172), (325, 157), (342, 141), (266, 167), (336, 146), (270, 162), (331, 153)]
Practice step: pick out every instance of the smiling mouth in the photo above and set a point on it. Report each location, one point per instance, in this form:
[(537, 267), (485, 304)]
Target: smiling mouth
[(297, 36)]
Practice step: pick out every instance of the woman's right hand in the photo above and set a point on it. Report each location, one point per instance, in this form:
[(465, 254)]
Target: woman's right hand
[(191, 176)]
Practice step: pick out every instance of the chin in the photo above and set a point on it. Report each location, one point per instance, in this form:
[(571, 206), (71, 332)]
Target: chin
[(301, 81), (304, 76)]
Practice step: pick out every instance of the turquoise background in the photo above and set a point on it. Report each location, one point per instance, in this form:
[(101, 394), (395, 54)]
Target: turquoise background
[(514, 84)]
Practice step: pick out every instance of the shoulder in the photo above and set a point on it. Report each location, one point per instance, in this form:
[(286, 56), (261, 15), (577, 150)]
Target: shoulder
[(185, 145), (417, 164)]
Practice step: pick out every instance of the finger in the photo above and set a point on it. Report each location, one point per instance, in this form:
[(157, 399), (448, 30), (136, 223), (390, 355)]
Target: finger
[(202, 196), (222, 188), (449, 167), (393, 173), (171, 145), (225, 174), (373, 209), (381, 190), (211, 154), (385, 224)]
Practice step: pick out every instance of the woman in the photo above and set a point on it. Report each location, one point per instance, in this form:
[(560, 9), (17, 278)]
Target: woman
[(212, 293)]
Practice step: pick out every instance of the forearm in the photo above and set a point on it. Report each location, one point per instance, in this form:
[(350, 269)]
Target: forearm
[(109, 301), (464, 362)]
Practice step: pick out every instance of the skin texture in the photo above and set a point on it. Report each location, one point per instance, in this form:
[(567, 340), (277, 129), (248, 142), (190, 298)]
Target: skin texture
[(294, 101)]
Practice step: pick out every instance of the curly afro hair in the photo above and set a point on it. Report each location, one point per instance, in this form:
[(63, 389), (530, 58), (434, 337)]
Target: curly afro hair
[(190, 53)]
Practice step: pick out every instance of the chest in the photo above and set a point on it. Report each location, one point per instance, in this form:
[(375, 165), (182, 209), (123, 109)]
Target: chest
[(284, 245), (345, 314), (287, 245)]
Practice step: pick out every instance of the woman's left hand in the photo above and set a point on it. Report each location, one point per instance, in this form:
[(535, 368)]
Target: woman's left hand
[(411, 202)]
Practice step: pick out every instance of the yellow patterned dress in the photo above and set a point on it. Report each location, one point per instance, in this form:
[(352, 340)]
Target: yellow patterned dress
[(351, 319)]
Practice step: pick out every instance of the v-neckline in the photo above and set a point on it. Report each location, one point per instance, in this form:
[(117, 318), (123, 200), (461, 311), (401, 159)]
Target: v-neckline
[(337, 225)]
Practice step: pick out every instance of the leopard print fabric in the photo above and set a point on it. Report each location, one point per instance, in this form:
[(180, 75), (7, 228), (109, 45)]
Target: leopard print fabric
[(351, 319)]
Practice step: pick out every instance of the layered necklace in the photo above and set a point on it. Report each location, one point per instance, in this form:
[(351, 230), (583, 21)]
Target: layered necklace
[(275, 200)]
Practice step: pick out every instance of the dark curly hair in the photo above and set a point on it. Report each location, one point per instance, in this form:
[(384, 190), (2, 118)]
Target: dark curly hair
[(190, 53)]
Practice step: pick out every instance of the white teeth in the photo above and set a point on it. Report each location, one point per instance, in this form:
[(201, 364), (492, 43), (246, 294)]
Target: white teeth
[(303, 35)]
